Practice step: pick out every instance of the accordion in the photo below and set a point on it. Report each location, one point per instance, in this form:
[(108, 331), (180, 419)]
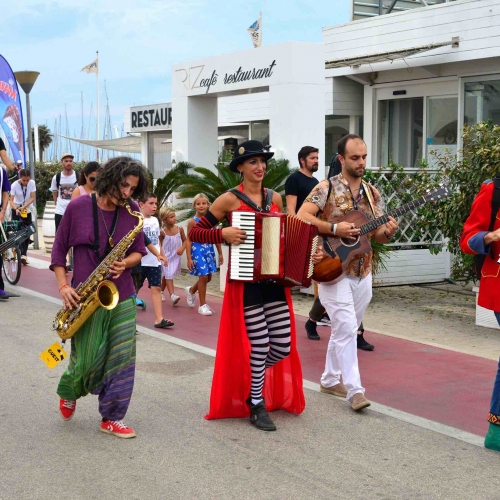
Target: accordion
[(278, 247)]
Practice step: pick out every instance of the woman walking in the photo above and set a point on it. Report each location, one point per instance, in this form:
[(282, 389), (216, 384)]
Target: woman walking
[(257, 366)]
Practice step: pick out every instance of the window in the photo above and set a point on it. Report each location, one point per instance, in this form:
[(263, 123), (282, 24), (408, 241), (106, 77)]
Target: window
[(401, 122), (336, 126), (159, 153), (442, 126), (482, 101), (260, 132)]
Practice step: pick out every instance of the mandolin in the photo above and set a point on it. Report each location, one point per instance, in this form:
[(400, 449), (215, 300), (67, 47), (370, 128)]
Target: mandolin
[(340, 251)]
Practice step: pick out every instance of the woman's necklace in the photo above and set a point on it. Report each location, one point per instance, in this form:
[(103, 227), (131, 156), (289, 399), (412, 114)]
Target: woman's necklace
[(113, 228)]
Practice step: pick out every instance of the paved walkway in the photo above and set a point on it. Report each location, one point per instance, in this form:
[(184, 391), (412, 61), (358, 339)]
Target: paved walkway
[(437, 384)]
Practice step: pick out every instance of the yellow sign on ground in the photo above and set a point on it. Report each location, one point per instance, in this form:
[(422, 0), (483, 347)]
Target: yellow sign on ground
[(53, 355)]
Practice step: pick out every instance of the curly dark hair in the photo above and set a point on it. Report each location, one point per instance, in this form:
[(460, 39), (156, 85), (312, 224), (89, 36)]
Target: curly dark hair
[(115, 171), (90, 168)]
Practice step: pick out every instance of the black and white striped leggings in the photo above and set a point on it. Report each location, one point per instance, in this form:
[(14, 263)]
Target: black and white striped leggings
[(268, 329)]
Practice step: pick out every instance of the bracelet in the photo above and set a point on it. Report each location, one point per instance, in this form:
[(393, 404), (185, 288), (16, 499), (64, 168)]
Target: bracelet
[(334, 229), (63, 286)]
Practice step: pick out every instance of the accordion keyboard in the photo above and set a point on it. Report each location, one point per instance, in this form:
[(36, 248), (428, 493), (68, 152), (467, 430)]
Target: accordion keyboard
[(243, 256)]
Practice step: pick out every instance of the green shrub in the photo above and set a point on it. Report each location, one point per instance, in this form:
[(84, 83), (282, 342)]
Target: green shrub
[(478, 161)]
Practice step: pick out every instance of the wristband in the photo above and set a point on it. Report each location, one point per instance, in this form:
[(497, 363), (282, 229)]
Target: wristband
[(64, 286), (334, 229)]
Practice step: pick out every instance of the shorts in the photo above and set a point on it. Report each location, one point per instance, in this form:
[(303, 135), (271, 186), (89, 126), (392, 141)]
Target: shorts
[(262, 293), (152, 274)]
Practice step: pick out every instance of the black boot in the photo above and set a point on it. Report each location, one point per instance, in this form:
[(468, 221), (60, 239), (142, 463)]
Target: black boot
[(312, 332), (362, 343), (259, 416)]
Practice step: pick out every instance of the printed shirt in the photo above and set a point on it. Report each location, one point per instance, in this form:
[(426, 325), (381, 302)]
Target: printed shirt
[(151, 229), (66, 187), (338, 204)]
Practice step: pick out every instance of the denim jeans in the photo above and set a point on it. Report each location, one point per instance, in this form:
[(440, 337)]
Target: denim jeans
[(495, 398)]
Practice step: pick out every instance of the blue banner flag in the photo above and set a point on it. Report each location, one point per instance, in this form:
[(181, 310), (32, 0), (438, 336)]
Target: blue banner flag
[(11, 113)]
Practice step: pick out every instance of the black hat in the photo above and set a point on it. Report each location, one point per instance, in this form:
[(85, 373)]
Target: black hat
[(249, 149)]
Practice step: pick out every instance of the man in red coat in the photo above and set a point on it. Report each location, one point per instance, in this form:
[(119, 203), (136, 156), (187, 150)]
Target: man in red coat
[(478, 240)]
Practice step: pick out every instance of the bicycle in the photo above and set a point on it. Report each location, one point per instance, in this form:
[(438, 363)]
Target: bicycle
[(11, 256)]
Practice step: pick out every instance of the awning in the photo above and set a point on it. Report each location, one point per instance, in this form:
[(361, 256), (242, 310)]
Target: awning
[(129, 144), (392, 55)]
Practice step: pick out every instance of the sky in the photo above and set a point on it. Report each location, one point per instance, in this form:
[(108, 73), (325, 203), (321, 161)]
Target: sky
[(138, 42)]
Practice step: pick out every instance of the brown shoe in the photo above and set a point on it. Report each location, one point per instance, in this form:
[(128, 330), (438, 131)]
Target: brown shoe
[(359, 402), (337, 390)]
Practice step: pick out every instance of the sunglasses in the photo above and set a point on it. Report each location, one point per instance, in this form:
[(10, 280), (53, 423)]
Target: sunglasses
[(92, 179)]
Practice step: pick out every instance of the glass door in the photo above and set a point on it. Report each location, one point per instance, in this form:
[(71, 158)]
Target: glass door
[(401, 131), (442, 127)]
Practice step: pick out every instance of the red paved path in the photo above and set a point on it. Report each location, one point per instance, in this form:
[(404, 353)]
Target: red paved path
[(437, 384)]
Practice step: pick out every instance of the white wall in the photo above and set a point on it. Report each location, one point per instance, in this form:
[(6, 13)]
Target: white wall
[(243, 108), (414, 266), (476, 22), (345, 97), (295, 103)]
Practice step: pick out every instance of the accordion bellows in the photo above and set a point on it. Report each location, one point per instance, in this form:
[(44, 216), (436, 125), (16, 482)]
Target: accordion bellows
[(278, 247)]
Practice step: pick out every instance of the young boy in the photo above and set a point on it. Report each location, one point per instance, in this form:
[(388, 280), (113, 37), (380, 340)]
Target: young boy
[(150, 265)]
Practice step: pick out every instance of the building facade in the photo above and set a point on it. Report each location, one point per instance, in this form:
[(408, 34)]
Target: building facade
[(406, 82)]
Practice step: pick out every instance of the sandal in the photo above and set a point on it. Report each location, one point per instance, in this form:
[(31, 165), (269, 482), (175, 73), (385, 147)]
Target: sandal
[(164, 323)]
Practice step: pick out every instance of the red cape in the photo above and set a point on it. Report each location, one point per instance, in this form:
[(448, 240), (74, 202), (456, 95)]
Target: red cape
[(232, 376)]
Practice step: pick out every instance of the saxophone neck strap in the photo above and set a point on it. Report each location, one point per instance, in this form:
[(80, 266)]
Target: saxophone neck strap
[(97, 243)]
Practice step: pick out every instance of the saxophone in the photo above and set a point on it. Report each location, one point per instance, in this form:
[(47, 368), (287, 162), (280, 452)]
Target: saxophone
[(97, 291)]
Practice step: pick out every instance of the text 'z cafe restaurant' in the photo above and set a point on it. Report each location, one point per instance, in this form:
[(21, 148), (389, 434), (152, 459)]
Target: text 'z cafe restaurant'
[(406, 82)]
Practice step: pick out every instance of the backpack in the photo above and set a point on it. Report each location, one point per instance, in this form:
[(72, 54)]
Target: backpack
[(335, 166), (495, 206)]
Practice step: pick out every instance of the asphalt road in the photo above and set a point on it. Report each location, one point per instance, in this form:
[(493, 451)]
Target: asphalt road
[(328, 452)]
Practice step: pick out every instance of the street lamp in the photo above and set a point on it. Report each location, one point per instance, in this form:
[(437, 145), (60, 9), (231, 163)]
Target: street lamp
[(27, 79)]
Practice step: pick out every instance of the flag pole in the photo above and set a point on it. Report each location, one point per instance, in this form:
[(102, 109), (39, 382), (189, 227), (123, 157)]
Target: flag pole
[(97, 110)]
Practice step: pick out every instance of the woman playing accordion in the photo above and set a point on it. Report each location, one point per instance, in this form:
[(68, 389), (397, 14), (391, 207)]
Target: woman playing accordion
[(257, 366)]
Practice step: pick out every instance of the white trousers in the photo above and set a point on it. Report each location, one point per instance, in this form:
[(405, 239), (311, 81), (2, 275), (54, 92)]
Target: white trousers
[(345, 303)]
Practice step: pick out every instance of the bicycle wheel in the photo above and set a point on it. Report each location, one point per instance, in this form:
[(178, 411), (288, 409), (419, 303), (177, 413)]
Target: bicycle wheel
[(12, 265)]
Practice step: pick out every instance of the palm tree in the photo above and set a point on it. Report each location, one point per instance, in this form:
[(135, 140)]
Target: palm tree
[(171, 183), (44, 138), (213, 184)]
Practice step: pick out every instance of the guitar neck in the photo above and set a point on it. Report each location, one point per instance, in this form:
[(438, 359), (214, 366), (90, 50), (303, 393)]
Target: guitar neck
[(379, 221)]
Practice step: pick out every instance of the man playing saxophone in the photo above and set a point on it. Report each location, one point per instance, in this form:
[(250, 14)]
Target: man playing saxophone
[(102, 357)]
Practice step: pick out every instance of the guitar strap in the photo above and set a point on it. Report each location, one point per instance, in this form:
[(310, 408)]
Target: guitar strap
[(369, 194)]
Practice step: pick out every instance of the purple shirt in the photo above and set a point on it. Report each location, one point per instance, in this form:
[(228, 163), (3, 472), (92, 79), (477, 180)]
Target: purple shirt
[(77, 230), (5, 184)]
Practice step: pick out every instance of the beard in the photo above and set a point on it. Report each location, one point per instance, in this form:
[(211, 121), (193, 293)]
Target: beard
[(313, 168), (355, 172)]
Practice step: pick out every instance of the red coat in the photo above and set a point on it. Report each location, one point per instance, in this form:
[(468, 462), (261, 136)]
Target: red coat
[(472, 242)]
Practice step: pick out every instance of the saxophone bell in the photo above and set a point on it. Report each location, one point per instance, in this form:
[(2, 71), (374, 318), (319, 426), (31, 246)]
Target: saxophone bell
[(107, 294)]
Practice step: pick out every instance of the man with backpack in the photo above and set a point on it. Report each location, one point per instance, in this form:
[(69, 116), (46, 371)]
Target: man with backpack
[(481, 238), (62, 187)]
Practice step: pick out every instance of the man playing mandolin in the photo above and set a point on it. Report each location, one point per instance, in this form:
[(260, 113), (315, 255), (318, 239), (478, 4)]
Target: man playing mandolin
[(346, 300)]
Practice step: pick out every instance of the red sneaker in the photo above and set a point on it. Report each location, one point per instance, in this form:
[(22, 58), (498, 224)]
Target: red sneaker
[(118, 428), (67, 408)]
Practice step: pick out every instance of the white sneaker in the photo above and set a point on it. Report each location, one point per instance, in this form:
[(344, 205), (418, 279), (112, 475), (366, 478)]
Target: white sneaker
[(204, 310), (174, 298), (190, 297), (162, 297), (24, 259)]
